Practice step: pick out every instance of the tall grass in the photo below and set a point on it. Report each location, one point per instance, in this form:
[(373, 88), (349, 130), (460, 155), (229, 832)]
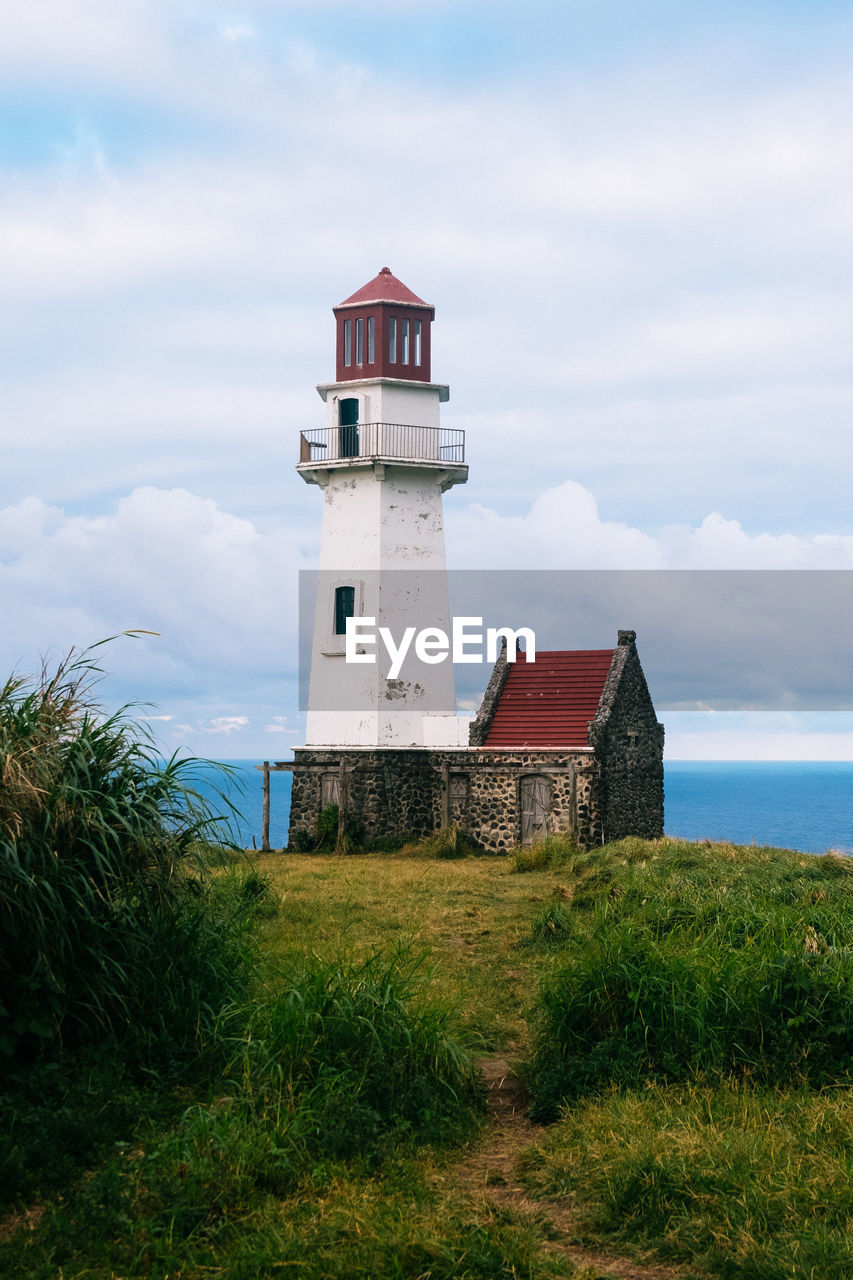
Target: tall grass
[(104, 929), (334, 1069), (741, 1181), (350, 1051), (680, 960)]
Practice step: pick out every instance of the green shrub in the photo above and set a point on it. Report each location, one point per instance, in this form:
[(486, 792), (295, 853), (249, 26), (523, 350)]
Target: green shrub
[(554, 851), (553, 925), (327, 837), (448, 842), (345, 1052), (388, 843), (736, 1180), (697, 965), (105, 922), (328, 821)]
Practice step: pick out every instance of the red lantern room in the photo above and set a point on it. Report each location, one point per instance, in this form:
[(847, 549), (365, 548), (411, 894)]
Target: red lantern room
[(383, 331)]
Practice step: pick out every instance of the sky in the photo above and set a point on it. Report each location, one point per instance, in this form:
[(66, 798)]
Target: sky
[(634, 218)]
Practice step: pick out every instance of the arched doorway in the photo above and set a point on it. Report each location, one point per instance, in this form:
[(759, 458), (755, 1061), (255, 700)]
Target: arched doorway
[(348, 427)]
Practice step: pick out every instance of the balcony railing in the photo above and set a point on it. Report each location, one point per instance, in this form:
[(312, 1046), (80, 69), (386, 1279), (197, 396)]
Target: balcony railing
[(394, 441)]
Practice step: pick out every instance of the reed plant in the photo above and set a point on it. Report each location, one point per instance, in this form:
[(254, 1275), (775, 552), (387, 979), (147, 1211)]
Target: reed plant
[(106, 926)]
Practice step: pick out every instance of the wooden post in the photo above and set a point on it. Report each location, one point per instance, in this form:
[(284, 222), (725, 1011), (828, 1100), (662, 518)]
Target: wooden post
[(265, 825), (445, 795), (343, 799)]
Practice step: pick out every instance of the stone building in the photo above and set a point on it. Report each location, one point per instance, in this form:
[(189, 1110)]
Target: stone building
[(569, 742)]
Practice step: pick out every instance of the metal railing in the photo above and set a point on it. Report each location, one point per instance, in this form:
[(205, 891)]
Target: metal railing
[(391, 440)]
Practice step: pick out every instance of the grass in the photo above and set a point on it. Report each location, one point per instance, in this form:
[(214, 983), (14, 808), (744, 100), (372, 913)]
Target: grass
[(99, 848), (739, 1180), (680, 959), (330, 1098), (471, 917)]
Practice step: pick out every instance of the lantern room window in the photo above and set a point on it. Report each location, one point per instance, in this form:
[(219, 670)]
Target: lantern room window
[(404, 341), (371, 340), (392, 340), (417, 335), (348, 342), (359, 341)]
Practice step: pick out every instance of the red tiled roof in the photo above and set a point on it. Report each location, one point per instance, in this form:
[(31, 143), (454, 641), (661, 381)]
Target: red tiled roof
[(550, 702), (384, 287)]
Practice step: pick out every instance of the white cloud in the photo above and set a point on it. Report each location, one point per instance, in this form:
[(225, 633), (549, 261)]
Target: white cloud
[(237, 31), (221, 595), (637, 285), (225, 724), (758, 736), (78, 35), (563, 530)]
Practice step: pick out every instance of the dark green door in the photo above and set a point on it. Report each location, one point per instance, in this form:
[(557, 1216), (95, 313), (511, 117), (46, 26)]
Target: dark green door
[(348, 428)]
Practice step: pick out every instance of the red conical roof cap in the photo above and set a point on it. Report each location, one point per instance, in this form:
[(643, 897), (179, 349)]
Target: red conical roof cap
[(385, 287)]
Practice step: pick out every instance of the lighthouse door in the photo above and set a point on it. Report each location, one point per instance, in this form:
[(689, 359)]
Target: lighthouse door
[(534, 800), (348, 427)]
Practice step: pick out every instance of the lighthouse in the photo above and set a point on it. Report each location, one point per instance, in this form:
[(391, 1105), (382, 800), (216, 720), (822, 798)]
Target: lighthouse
[(565, 740), (383, 462)]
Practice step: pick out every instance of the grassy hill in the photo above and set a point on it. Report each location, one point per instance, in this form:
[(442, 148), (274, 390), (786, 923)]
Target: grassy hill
[(681, 1014)]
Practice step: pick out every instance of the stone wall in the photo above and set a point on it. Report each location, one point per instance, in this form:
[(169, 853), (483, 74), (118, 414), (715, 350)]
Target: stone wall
[(628, 740), (482, 722), (416, 792)]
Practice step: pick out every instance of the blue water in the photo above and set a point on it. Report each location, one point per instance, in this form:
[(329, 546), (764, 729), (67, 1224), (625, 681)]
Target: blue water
[(795, 806), (806, 806)]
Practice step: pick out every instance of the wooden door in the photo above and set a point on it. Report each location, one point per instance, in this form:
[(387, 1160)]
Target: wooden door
[(534, 802)]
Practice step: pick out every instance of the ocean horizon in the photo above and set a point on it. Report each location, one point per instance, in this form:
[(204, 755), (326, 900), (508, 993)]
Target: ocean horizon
[(804, 805)]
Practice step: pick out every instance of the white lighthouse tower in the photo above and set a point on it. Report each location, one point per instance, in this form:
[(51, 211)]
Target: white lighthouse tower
[(383, 462)]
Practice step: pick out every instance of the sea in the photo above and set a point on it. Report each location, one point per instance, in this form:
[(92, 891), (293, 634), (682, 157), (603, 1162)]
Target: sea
[(806, 806)]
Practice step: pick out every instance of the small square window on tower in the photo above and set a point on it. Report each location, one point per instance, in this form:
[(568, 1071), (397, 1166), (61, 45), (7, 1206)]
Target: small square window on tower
[(344, 608)]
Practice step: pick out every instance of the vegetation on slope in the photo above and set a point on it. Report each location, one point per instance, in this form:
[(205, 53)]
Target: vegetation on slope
[(679, 959), (99, 855), (162, 1079), (241, 1070)]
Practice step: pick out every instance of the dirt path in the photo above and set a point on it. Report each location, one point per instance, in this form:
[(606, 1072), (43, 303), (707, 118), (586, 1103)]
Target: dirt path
[(488, 1172)]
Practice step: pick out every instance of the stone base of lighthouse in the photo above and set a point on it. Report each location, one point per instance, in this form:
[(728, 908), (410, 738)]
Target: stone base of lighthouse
[(415, 793)]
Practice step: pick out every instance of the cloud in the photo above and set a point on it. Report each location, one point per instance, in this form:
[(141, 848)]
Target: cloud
[(631, 231), (226, 724), (639, 287), (220, 593), (239, 31), (765, 735), (563, 529)]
